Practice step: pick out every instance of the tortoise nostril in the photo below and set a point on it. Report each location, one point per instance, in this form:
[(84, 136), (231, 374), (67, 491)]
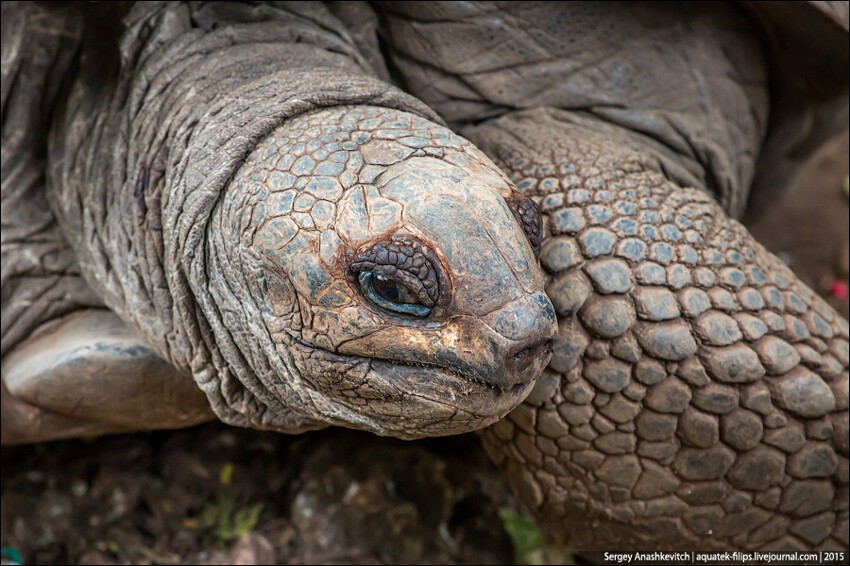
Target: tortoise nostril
[(520, 362)]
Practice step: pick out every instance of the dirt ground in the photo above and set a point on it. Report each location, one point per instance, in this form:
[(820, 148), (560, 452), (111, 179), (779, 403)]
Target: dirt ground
[(217, 495)]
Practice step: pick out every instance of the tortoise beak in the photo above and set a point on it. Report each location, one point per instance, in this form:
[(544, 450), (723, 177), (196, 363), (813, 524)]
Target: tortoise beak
[(506, 349)]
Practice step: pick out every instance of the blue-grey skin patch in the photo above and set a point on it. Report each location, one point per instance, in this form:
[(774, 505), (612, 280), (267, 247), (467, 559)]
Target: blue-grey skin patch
[(713, 257), (560, 253), (303, 166), (304, 202), (567, 352), (773, 321), (656, 303), (632, 249), (752, 327), (751, 299), (610, 275), (648, 217), (603, 195), (549, 184), (661, 253), (841, 349), (280, 181), (323, 214), (723, 299), (773, 296), (683, 222), (597, 241), (756, 276), (733, 277), (594, 183), (324, 188), (734, 256), (625, 226), (551, 202), (694, 301), (567, 221), (688, 255), (794, 303), (678, 276), (280, 203), (625, 207), (608, 316), (820, 326), (671, 233), (704, 277), (330, 168), (577, 196), (519, 318), (693, 237), (796, 328), (569, 292), (353, 223), (414, 142), (311, 272), (651, 274), (649, 232), (718, 329), (599, 214), (668, 341)]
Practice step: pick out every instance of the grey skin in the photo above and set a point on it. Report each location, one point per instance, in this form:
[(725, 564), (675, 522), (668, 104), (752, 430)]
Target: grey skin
[(236, 217)]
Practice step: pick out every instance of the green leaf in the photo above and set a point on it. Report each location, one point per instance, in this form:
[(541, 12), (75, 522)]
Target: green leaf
[(525, 535), (231, 526), (225, 475)]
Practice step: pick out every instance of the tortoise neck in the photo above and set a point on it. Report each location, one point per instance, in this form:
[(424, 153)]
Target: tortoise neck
[(687, 85)]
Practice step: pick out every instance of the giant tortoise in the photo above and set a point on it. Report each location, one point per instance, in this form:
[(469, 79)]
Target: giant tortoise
[(265, 214)]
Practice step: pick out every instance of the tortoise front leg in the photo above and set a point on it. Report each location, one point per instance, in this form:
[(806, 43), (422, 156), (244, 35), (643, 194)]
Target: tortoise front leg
[(698, 392), (88, 374)]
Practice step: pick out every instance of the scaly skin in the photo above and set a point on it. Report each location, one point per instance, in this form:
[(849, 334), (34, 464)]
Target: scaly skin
[(698, 392), (257, 179)]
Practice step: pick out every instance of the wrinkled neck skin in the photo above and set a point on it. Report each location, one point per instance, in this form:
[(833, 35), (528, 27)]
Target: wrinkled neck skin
[(236, 186), (687, 88)]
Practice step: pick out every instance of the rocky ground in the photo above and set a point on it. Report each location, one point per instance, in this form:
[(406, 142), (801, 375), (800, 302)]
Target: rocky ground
[(217, 495)]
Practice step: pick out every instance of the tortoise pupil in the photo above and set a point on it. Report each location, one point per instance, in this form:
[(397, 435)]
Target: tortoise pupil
[(391, 295), (387, 289)]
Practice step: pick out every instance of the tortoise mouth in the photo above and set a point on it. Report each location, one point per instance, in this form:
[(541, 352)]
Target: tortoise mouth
[(448, 401), (450, 381), (408, 399)]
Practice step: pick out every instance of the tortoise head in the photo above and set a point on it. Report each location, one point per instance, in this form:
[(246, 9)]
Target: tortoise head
[(386, 270)]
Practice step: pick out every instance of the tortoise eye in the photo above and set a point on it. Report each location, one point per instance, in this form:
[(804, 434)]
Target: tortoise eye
[(400, 276), (391, 295)]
